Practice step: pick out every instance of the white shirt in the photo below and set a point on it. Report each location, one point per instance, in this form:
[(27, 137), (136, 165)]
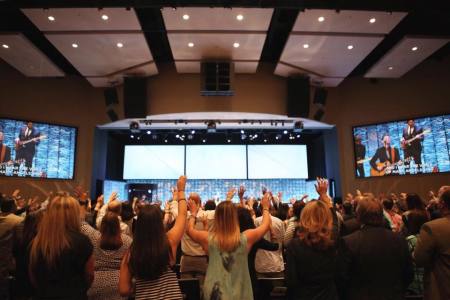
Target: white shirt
[(188, 246), (271, 261)]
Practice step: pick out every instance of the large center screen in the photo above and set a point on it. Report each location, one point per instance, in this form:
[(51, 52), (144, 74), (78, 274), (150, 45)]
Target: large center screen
[(29, 149), (277, 161), (156, 162), (216, 162), (413, 146)]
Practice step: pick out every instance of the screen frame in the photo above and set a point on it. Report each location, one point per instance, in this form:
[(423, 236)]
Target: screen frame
[(386, 122), (53, 124)]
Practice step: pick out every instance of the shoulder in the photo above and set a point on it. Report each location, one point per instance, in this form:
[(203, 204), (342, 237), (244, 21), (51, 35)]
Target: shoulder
[(436, 224)]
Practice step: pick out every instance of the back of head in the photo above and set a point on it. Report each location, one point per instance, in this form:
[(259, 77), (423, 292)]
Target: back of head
[(444, 197), (115, 206), (110, 232), (348, 208), (414, 221), (61, 218), (150, 249), (413, 201), (210, 205), (369, 211), (297, 208), (282, 212), (7, 205), (126, 212), (226, 227), (30, 226), (245, 219), (316, 223), (388, 204)]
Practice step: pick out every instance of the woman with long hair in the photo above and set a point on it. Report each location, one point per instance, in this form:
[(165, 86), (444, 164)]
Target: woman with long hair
[(153, 251), (311, 256), (61, 260), (110, 245), (227, 276)]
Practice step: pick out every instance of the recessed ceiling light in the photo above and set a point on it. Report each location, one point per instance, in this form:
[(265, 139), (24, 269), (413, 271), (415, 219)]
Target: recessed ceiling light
[(75, 45), (51, 18), (414, 48), (350, 47), (372, 20), (240, 17), (305, 46), (321, 19), (190, 45), (185, 17), (390, 67), (5, 46), (105, 17), (236, 45), (119, 45)]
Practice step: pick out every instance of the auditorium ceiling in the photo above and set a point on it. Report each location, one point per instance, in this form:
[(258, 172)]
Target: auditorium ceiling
[(103, 41)]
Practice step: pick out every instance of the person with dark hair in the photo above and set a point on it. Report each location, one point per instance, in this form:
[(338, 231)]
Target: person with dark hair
[(246, 222), (376, 261), (394, 219), (26, 143), (210, 205), (110, 245), (127, 214), (413, 204), (360, 155), (351, 223), (153, 251), (293, 222), (8, 221), (412, 144), (432, 251), (311, 268), (23, 236)]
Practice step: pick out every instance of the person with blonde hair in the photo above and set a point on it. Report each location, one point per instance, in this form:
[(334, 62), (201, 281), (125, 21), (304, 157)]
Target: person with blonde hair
[(227, 276), (61, 260), (311, 268)]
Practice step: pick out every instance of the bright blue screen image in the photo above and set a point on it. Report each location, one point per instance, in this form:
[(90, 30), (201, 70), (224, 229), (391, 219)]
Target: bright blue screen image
[(277, 161), (156, 162), (120, 187), (432, 146), (48, 151), (216, 162)]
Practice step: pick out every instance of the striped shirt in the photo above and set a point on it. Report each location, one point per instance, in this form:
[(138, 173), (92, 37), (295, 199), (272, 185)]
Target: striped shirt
[(165, 287)]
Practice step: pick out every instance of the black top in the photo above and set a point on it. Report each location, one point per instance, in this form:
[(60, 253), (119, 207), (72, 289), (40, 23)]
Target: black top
[(310, 273), (67, 279), (377, 264), (360, 151)]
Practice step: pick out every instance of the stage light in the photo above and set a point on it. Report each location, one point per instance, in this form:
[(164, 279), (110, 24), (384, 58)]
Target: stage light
[(134, 127), (278, 136), (243, 136), (204, 141), (177, 136), (132, 136), (165, 141), (298, 126), (211, 127), (149, 132), (190, 136), (229, 141), (242, 131), (138, 137), (255, 136), (155, 137), (193, 132), (265, 141), (285, 132)]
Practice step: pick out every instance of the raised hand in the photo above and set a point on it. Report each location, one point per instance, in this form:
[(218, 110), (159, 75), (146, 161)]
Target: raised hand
[(15, 193), (265, 201), (230, 193), (241, 192), (112, 197), (100, 201), (321, 186), (193, 207), (181, 183)]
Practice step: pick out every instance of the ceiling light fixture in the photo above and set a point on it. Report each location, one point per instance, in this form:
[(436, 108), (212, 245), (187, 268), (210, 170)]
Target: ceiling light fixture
[(105, 17), (51, 18), (119, 45), (75, 45), (5, 46), (350, 47), (240, 17), (186, 17), (390, 68), (372, 20), (321, 19), (190, 45), (306, 46), (414, 48), (236, 45)]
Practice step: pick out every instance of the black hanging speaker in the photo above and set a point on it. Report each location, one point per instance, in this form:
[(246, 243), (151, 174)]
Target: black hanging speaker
[(216, 79), (320, 96), (319, 114), (135, 97), (110, 96), (298, 97), (112, 115)]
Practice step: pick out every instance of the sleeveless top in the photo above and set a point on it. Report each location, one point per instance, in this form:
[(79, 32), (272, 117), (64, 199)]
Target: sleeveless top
[(227, 276), (165, 287)]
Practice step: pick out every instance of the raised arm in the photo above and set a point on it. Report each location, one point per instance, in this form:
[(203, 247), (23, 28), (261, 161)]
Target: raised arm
[(199, 236), (322, 190), (253, 235), (174, 235), (125, 283), (241, 193)]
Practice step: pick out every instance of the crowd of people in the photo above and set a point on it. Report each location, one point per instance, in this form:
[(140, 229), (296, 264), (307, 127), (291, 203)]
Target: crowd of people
[(364, 247)]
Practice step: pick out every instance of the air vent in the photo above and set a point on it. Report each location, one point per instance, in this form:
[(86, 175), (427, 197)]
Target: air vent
[(216, 79)]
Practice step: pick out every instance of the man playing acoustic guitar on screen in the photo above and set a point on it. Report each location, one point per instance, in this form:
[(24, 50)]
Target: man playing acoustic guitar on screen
[(388, 159)]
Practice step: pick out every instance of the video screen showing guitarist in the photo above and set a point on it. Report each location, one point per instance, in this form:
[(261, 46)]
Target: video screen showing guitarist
[(388, 158), (412, 144), (360, 154), (26, 143)]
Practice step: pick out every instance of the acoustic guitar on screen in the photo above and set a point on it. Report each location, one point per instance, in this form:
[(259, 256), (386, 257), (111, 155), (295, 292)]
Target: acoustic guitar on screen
[(22, 144), (406, 143), (385, 168)]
